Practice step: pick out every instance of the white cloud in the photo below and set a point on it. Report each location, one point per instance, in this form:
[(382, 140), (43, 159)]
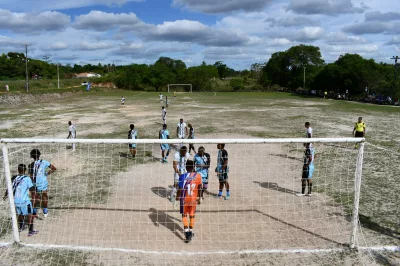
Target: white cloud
[(373, 27), (7, 41), (193, 31), (279, 42), (360, 49), (94, 46), (57, 46), (29, 5), (33, 22), (307, 34), (294, 21), (222, 6), (379, 16), (342, 38), (326, 7), (102, 21), (394, 40), (150, 50)]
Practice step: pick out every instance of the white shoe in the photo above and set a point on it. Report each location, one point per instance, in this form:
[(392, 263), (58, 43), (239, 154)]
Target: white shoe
[(308, 195), (300, 195), (45, 215)]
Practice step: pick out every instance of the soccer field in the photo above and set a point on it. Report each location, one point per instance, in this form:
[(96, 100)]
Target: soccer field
[(106, 208)]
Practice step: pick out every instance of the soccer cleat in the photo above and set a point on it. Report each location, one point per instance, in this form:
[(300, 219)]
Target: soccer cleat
[(187, 236), (191, 235), (45, 215), (300, 194), (227, 197), (32, 233)]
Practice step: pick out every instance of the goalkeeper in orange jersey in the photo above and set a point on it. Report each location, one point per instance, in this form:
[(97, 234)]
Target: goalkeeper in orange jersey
[(188, 195)]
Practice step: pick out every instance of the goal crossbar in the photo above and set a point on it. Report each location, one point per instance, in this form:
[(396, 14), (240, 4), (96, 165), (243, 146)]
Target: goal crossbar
[(188, 141)]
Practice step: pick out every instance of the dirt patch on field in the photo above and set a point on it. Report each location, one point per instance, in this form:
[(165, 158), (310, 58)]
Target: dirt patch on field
[(19, 99)]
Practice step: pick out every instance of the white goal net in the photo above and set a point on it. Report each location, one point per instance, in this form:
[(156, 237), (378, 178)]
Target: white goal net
[(108, 208)]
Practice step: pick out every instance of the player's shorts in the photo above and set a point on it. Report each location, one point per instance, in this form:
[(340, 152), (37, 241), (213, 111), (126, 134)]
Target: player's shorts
[(359, 134), (188, 209), (181, 136), (222, 177), (132, 146), (204, 179), (42, 187), (24, 209), (308, 172), (164, 147), (164, 121), (205, 185)]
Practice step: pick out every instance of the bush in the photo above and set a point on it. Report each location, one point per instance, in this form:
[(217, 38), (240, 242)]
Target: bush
[(237, 84)]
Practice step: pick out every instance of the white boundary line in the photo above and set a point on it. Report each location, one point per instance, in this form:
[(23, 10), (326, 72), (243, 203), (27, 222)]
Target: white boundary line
[(185, 141), (222, 252), (380, 148)]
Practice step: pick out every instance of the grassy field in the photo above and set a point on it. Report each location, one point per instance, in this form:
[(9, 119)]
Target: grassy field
[(214, 115)]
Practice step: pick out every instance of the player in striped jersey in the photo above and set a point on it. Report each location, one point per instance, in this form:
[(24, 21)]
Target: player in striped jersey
[(188, 194), (164, 134), (164, 115), (132, 134), (72, 133), (202, 162), (23, 191), (179, 166), (181, 130), (38, 172), (222, 170), (309, 132), (191, 136)]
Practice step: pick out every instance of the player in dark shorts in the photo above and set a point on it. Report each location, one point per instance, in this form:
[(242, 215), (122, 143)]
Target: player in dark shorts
[(222, 170)]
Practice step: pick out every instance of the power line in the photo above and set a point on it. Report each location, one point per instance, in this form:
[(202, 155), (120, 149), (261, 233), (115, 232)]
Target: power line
[(395, 58)]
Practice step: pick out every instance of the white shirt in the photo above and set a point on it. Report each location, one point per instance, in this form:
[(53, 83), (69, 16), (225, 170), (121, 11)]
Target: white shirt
[(309, 132), (164, 114), (181, 161), (161, 97), (122, 100), (72, 129), (182, 129)]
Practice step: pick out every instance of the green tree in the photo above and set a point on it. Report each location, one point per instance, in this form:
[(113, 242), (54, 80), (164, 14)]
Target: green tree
[(237, 84)]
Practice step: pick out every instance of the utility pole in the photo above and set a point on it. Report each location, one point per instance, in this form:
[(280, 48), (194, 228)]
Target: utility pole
[(304, 79), (395, 58), (26, 68), (58, 75)]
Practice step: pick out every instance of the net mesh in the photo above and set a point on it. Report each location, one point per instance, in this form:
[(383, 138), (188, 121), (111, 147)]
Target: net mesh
[(105, 207)]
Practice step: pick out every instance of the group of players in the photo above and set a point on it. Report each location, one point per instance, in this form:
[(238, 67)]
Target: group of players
[(30, 191)]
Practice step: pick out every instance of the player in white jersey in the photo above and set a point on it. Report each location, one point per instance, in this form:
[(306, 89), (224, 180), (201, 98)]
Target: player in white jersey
[(164, 115), (308, 170), (179, 166), (72, 133), (181, 130), (123, 101), (164, 134), (132, 134), (161, 97), (309, 132)]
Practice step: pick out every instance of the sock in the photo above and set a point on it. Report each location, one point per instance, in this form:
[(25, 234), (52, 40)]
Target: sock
[(309, 188), (186, 230), (34, 211), (167, 154), (190, 229), (228, 193), (220, 193), (21, 225), (303, 188), (185, 221), (31, 227), (191, 224), (45, 210), (173, 191)]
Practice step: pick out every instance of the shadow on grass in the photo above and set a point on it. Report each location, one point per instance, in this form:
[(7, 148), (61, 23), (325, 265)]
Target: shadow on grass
[(367, 223), (160, 191), (162, 218)]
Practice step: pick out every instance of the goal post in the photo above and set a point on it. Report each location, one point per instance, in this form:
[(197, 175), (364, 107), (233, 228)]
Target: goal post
[(171, 85), (263, 214)]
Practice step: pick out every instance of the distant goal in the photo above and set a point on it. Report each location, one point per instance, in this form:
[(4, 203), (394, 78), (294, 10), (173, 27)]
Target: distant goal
[(180, 85)]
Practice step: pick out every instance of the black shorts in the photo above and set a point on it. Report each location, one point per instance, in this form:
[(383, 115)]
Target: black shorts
[(306, 172), (359, 134), (222, 177)]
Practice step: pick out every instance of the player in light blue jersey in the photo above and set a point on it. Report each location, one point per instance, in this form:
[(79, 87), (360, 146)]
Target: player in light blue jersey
[(202, 162), (308, 170), (38, 171), (23, 190), (132, 134), (164, 134)]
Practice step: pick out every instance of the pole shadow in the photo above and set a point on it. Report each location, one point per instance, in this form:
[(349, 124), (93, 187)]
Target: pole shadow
[(160, 191), (275, 186)]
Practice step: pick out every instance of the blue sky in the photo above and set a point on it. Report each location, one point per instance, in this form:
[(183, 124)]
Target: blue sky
[(237, 32)]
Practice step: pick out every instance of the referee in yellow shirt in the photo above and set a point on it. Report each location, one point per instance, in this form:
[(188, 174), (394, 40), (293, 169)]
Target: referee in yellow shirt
[(359, 130)]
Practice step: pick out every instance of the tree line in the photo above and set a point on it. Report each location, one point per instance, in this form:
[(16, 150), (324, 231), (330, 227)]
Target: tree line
[(300, 66)]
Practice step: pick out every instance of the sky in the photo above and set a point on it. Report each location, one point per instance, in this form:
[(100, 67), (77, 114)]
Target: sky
[(237, 32)]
